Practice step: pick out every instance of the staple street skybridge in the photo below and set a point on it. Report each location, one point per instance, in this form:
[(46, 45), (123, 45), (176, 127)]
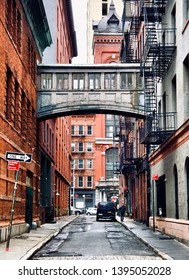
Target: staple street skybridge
[(66, 89)]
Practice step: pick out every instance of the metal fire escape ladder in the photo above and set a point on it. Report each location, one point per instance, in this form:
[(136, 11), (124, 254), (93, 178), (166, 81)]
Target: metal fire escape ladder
[(157, 54), (131, 25)]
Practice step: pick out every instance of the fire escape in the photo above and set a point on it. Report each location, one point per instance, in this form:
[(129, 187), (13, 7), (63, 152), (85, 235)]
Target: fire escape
[(148, 42), (157, 52), (144, 33)]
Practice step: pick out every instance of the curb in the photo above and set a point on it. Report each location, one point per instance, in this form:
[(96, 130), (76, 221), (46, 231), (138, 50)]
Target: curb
[(38, 246), (158, 252)]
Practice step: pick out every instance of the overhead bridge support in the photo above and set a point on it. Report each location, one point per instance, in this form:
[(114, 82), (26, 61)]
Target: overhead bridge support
[(66, 89)]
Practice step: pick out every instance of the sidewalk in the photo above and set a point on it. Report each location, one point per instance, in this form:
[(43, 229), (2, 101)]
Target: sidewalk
[(166, 247), (24, 246)]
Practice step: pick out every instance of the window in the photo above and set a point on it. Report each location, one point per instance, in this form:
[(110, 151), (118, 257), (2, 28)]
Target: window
[(89, 147), (73, 147), (187, 9), (81, 145), (104, 8), (111, 161), (62, 81), (112, 122), (80, 181), (109, 131), (9, 81), (80, 164), (110, 81), (46, 81), (73, 164), (73, 130), (94, 81), (89, 181), (81, 131), (89, 163), (126, 80), (14, 23), (89, 130), (78, 81)]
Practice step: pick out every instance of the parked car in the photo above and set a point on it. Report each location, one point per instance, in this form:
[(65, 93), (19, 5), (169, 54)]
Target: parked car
[(106, 210), (77, 211), (91, 211)]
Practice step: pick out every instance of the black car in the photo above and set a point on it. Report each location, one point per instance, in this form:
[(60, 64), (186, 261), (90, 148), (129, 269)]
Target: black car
[(106, 210)]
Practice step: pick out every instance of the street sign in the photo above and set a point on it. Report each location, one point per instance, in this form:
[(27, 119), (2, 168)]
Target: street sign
[(18, 157), (155, 177), (13, 165)]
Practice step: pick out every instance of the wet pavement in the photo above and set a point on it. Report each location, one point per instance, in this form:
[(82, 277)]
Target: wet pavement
[(23, 247)]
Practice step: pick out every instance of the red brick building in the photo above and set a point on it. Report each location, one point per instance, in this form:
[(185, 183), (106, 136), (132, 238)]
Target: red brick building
[(56, 139), (21, 46), (106, 47)]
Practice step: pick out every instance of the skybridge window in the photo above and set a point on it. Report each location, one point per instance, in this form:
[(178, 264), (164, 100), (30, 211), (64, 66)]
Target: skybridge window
[(94, 81), (110, 81), (62, 81), (46, 81), (78, 81)]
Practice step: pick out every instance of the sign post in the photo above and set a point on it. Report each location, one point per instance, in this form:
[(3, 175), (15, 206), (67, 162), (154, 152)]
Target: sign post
[(14, 160), (12, 211), (155, 177)]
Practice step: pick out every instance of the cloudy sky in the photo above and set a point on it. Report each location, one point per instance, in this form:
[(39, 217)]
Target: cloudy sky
[(80, 22)]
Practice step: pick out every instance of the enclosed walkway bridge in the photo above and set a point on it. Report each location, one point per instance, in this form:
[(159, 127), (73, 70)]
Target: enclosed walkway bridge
[(67, 89)]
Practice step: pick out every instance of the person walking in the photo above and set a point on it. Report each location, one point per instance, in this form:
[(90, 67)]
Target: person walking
[(122, 210)]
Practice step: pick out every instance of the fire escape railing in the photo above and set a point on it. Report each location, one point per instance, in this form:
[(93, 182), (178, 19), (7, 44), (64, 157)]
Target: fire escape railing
[(157, 52)]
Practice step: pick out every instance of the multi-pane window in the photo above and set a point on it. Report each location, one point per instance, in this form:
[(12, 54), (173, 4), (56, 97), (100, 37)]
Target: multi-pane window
[(78, 81), (80, 164), (62, 81), (46, 81), (9, 79), (109, 131), (112, 121), (94, 81), (89, 147), (89, 163), (73, 130), (73, 164), (131, 81), (111, 162), (80, 181), (110, 81), (81, 130), (89, 181), (89, 130), (81, 147), (14, 23)]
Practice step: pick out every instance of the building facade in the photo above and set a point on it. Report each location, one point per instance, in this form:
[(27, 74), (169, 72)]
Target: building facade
[(156, 34), (96, 10), (56, 133), (21, 46), (104, 148)]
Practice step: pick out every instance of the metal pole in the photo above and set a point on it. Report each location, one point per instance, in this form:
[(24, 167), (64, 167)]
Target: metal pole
[(73, 187), (153, 205), (12, 211)]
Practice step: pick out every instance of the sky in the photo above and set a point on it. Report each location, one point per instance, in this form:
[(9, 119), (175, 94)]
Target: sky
[(80, 23)]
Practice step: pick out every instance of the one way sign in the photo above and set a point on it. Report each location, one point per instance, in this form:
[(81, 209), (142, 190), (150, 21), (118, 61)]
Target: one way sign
[(18, 157)]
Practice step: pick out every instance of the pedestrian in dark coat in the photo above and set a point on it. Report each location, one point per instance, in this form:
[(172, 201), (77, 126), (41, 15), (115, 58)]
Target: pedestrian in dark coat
[(122, 210)]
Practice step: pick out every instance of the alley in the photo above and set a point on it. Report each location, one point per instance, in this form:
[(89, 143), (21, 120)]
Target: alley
[(85, 238)]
